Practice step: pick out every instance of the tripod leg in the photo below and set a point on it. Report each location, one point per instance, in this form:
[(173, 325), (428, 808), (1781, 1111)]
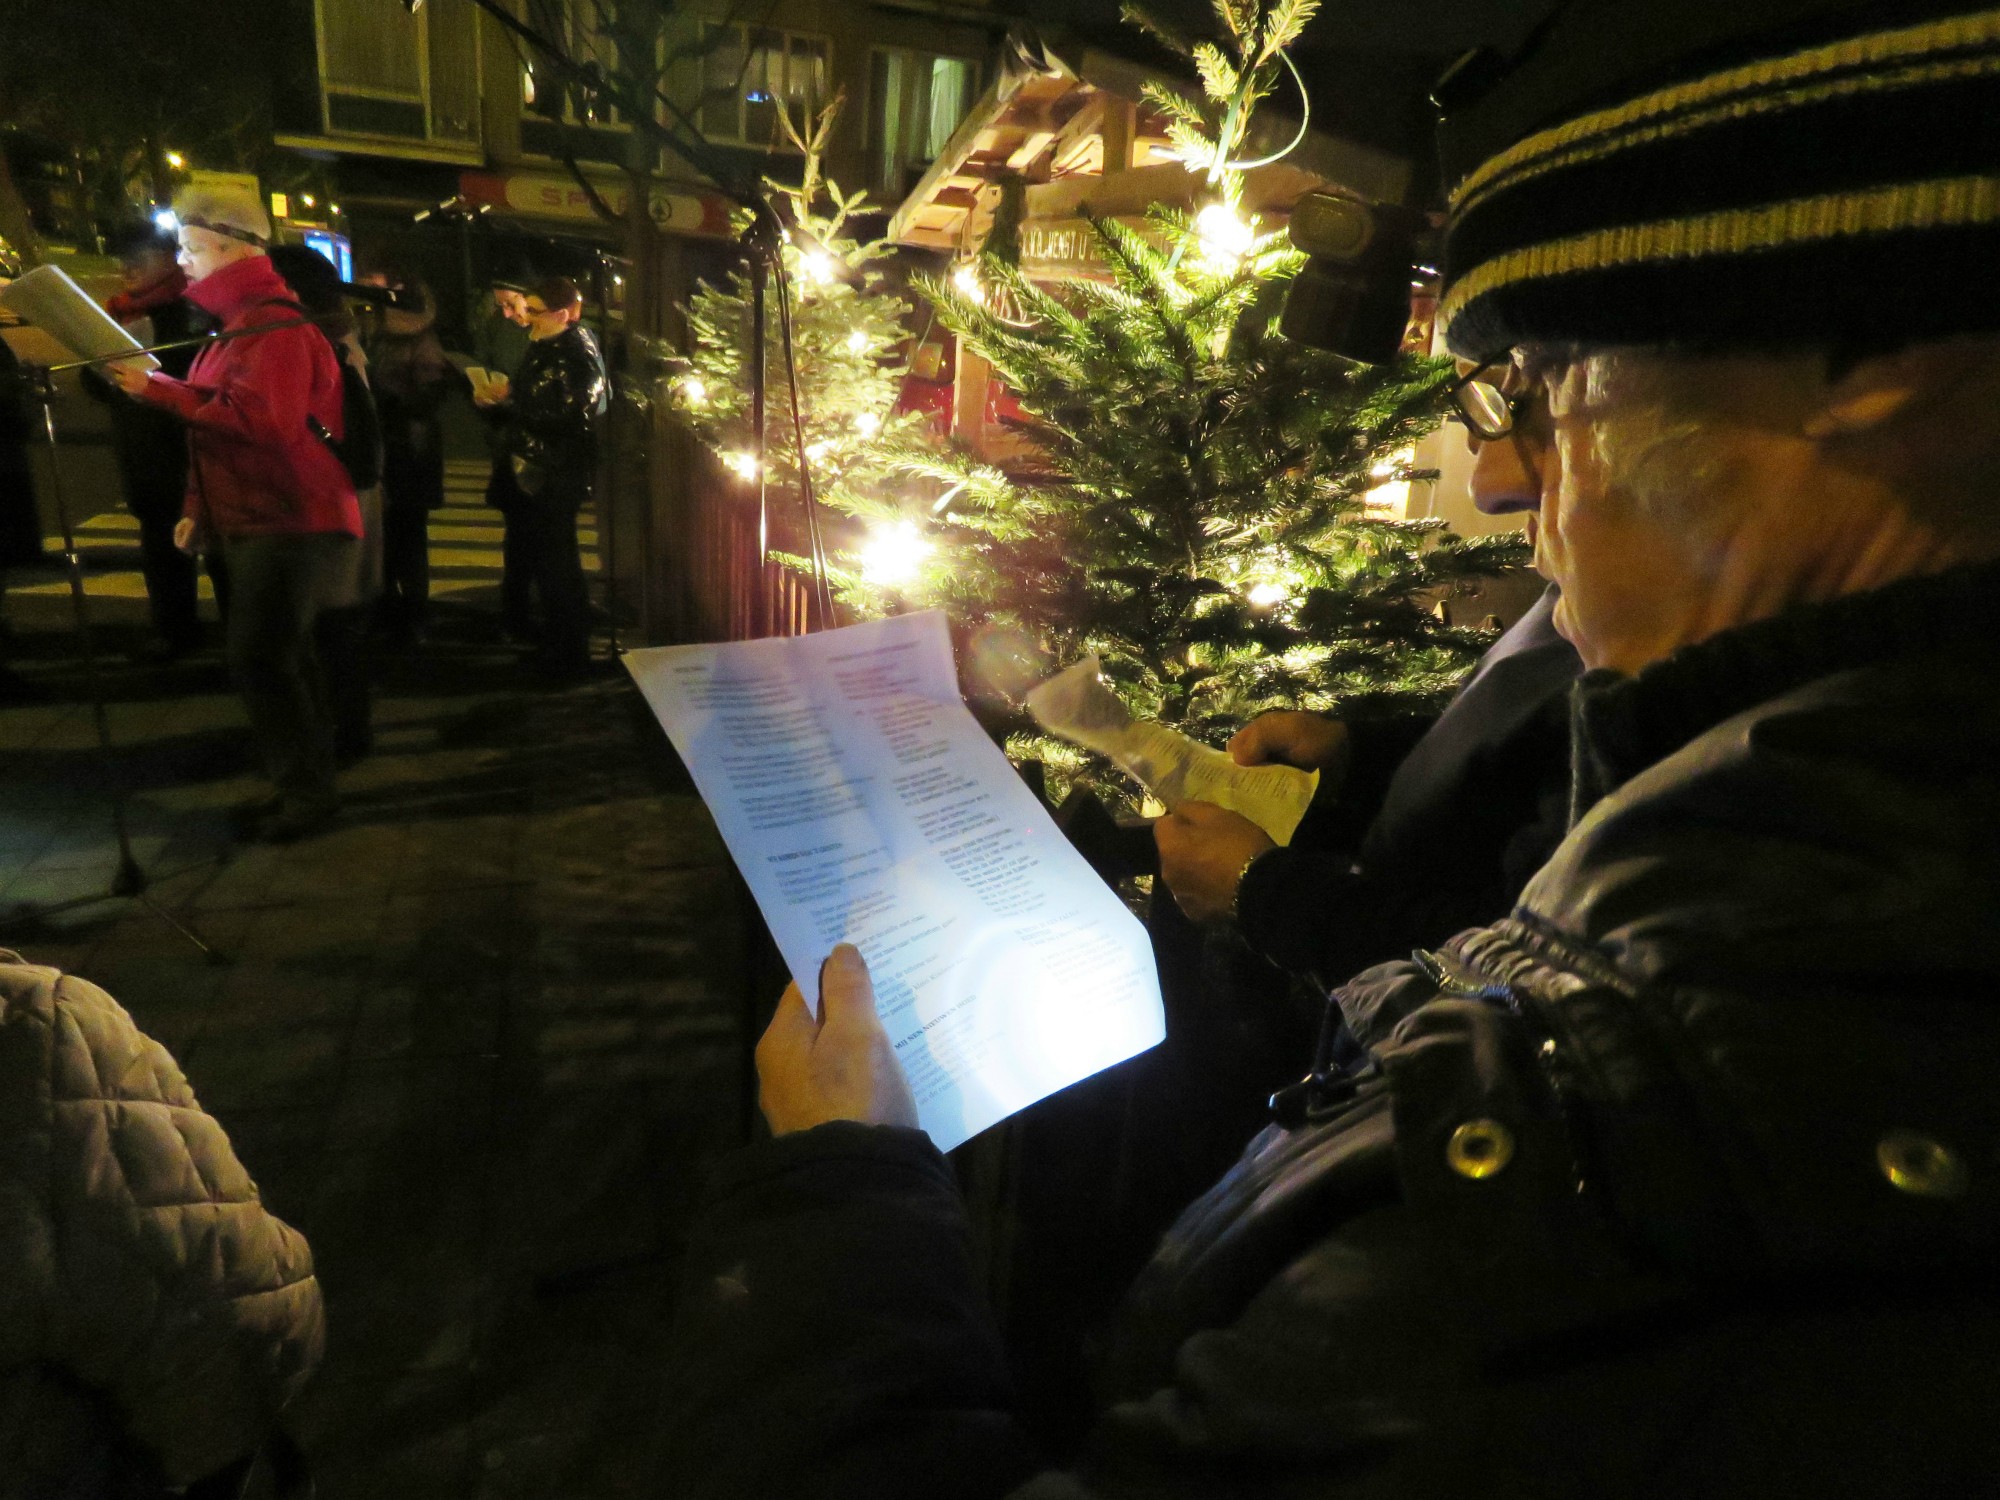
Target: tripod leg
[(208, 950)]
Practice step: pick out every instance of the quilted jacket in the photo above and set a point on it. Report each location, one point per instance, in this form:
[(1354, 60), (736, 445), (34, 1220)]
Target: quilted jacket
[(1684, 1180), (136, 1260)]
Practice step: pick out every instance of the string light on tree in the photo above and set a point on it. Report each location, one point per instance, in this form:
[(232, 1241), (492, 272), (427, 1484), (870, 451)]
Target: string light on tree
[(846, 313), (1225, 238), (741, 464), (1197, 511), (894, 556)]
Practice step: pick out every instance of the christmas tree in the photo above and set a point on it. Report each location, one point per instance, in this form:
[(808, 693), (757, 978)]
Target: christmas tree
[(1196, 510), (847, 316)]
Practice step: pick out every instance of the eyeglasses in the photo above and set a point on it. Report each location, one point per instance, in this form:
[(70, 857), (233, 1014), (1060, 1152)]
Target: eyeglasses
[(1483, 403)]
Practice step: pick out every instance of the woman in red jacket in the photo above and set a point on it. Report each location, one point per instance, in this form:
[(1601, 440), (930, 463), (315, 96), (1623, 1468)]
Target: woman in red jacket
[(267, 489)]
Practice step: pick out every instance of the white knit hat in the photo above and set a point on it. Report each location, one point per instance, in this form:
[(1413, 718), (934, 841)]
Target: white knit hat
[(233, 211)]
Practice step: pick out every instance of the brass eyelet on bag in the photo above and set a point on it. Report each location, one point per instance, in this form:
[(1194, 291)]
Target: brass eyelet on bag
[(1479, 1148), (1920, 1166)]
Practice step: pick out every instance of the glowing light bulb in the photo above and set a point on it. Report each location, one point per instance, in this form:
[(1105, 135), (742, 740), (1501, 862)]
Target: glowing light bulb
[(176, 160), (1390, 495), (694, 390), (891, 557), (744, 465), (868, 424), (966, 279), (1225, 239), (857, 341), (817, 451), (333, 208), (818, 267), (307, 199), (165, 218), (1266, 594)]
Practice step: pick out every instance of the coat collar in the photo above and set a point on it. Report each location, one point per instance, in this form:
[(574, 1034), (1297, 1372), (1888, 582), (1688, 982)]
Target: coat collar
[(1620, 725), (238, 286)]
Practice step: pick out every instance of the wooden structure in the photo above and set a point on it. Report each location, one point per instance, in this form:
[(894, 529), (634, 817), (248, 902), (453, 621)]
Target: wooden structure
[(1069, 126)]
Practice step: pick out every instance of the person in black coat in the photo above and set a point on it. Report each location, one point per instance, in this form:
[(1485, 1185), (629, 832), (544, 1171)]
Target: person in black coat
[(1679, 1179), (551, 410), (152, 445), (411, 379), (1468, 813)]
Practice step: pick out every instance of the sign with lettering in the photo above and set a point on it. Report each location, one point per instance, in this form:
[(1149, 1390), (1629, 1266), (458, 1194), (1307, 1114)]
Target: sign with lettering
[(552, 195)]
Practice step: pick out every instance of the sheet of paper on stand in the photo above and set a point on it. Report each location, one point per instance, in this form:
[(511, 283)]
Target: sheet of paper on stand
[(47, 298), (1078, 704), (863, 803)]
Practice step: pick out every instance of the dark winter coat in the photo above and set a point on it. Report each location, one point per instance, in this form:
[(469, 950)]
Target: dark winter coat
[(151, 443), (1470, 812), (411, 378), (1680, 1181), (256, 466), (558, 397)]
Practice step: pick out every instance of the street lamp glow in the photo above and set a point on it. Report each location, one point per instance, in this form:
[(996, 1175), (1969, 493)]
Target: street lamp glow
[(892, 557), (166, 220), (307, 199)]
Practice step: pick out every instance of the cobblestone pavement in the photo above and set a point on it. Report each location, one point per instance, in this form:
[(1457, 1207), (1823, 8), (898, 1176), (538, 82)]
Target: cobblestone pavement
[(475, 1041)]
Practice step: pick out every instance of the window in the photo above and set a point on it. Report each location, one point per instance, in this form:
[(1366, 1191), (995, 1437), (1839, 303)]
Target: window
[(581, 28), (746, 70), (386, 72), (916, 100)]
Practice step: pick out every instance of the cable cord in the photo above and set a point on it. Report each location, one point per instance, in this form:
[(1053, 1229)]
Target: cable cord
[(822, 588)]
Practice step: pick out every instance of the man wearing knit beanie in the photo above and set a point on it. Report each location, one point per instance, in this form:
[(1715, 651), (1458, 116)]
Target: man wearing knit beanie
[(1685, 1178), (266, 490)]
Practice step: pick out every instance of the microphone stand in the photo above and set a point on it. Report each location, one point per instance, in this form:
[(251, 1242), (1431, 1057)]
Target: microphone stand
[(129, 881)]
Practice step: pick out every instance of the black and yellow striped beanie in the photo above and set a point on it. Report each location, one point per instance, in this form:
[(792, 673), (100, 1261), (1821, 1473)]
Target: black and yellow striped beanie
[(1726, 173)]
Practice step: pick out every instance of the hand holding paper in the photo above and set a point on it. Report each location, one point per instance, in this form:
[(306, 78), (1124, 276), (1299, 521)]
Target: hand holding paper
[(840, 1066), (865, 805), (1080, 706)]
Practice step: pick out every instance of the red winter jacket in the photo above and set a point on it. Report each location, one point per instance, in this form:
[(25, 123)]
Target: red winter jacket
[(256, 468)]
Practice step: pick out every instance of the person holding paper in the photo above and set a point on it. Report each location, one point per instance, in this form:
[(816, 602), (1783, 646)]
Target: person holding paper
[(1680, 1179), (265, 485), (551, 412), (1468, 812)]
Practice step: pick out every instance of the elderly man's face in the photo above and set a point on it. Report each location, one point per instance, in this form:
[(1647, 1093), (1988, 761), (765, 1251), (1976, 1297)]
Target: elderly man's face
[(1628, 575)]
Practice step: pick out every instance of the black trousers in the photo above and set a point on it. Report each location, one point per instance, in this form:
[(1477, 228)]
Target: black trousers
[(406, 565), (171, 599), (278, 587), (542, 564)]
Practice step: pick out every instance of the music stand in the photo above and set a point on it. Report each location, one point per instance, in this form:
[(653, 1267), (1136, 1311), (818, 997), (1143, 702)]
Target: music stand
[(129, 882)]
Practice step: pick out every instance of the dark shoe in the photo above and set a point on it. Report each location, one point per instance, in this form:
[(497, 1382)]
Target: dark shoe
[(297, 820)]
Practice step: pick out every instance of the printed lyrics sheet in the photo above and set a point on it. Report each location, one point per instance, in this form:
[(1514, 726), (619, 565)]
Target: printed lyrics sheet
[(864, 804)]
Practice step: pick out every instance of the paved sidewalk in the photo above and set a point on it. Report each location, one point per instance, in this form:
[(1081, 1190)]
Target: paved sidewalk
[(475, 1041)]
